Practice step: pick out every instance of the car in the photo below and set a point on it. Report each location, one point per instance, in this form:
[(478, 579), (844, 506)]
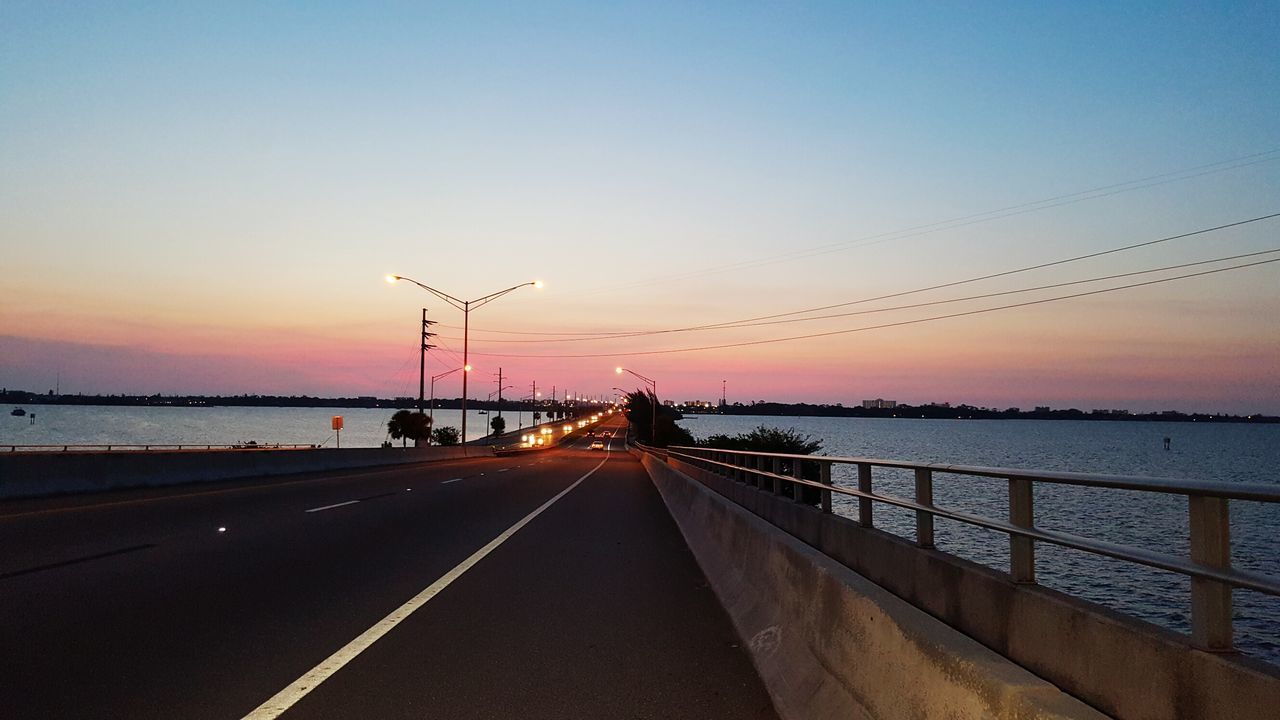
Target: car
[(597, 445)]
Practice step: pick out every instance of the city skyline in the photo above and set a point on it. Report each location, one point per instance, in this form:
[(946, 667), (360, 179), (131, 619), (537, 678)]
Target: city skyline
[(205, 200)]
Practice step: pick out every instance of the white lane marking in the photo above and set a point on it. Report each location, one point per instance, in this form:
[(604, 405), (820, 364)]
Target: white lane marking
[(335, 505), (289, 696), (446, 482), (503, 469)]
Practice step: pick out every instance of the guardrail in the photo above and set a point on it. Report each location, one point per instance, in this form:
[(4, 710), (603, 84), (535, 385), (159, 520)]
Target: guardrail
[(137, 447), (1209, 564)]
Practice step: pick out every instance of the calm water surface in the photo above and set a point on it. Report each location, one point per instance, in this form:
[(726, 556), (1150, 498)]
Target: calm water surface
[(96, 425), (1219, 452)]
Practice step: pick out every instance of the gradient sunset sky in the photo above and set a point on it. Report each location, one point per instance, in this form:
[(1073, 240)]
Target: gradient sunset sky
[(205, 198)]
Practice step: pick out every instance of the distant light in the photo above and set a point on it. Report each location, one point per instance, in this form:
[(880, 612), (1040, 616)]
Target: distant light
[(618, 370), (392, 278), (537, 284), (466, 368)]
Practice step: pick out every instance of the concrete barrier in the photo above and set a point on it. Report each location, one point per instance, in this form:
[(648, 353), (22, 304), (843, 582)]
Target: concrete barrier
[(1122, 666), (829, 643), (39, 474)]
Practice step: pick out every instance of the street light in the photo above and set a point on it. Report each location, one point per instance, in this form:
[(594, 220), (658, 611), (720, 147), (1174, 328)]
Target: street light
[(434, 378), (466, 306), (653, 411)]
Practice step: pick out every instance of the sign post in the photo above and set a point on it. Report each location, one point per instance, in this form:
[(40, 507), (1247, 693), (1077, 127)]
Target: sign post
[(337, 428)]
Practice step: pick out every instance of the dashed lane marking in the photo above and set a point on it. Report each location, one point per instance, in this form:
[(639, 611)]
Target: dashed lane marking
[(289, 696), (330, 507)]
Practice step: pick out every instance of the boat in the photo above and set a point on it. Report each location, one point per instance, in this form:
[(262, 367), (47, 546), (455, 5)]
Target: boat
[(484, 412), (17, 412)]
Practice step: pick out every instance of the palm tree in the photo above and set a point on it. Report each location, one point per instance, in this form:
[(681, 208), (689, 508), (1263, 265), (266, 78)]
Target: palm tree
[(406, 425)]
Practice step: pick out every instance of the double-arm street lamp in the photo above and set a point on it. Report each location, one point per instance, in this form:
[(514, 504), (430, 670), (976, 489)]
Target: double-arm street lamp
[(434, 378), (466, 306), (653, 411)]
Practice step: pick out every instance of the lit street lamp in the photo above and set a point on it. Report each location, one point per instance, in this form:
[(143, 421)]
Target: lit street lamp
[(653, 411), (466, 306), (434, 378)]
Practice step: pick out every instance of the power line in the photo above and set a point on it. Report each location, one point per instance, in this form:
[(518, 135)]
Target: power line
[(893, 324), (986, 216), (954, 283), (928, 303)]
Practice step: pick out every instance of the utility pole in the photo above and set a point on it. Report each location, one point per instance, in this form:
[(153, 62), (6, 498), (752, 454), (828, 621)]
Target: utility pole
[(422, 358), (499, 392), (722, 392)]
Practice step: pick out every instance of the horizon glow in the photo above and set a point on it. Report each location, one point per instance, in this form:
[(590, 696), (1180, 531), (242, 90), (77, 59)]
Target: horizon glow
[(201, 200)]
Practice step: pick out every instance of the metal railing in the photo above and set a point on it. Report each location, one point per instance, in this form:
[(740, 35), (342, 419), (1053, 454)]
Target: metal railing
[(139, 447), (1209, 564)]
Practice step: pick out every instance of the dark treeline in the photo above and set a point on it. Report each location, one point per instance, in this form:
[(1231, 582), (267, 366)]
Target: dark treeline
[(22, 397), (970, 412)]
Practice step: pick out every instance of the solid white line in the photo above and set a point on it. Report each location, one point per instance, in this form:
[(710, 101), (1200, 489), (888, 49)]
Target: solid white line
[(289, 696), (503, 469), (446, 482), (335, 505)]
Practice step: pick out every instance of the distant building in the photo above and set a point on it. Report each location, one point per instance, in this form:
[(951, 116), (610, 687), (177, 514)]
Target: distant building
[(1043, 408), (879, 404)]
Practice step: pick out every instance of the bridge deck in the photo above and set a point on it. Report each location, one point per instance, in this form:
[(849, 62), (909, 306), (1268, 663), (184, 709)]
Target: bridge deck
[(135, 605)]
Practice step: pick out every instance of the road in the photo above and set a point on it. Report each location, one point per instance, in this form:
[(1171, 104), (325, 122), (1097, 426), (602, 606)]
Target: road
[(369, 594)]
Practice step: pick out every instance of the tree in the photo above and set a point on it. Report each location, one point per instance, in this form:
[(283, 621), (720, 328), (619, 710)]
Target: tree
[(640, 405), (498, 424), (406, 425), (447, 435)]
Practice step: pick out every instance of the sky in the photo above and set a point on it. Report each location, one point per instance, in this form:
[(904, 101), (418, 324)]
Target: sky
[(206, 197)]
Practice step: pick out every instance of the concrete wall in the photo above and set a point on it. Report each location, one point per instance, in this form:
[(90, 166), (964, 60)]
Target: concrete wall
[(829, 643), (1122, 666), (37, 474)]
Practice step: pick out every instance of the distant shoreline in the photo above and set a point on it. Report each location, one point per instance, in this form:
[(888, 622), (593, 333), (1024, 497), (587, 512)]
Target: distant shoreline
[(934, 412)]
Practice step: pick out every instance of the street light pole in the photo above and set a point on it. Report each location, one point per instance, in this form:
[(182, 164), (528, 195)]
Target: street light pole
[(466, 306), (465, 369), (653, 411)]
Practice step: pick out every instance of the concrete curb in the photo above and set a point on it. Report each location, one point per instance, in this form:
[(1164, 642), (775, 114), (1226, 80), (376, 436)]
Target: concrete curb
[(827, 642), (24, 475)]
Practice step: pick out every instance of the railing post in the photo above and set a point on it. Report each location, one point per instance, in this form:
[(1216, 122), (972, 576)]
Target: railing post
[(1022, 550), (775, 466), (864, 504), (824, 477), (924, 496), (797, 490), (1210, 599)]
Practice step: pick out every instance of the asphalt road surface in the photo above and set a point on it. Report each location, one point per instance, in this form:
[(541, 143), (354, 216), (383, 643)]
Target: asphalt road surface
[(544, 585)]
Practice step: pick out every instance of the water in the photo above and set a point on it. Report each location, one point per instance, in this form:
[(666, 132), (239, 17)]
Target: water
[(99, 425), (1218, 452)]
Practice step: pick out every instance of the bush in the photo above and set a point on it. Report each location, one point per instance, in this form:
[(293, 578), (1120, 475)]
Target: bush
[(766, 439), (447, 435), (498, 424), (776, 440)]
